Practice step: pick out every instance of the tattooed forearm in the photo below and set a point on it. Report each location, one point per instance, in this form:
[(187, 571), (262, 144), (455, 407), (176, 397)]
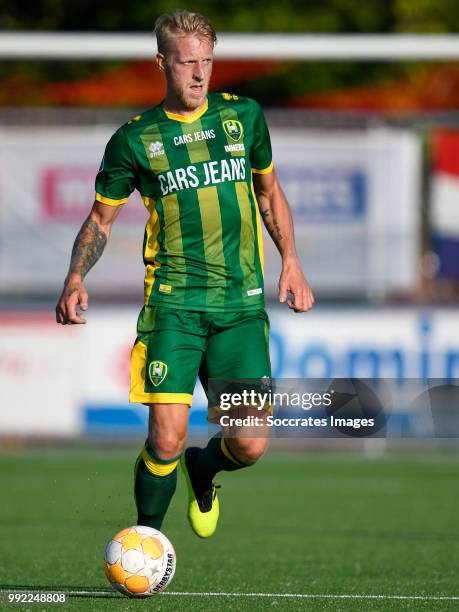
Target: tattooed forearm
[(274, 231), (271, 224), (88, 247), (276, 214)]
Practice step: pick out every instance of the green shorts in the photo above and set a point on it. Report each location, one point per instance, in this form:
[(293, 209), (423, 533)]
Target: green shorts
[(173, 347)]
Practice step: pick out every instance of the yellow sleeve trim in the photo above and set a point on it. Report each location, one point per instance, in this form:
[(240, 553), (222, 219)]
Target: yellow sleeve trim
[(264, 170), (110, 201), (161, 398)]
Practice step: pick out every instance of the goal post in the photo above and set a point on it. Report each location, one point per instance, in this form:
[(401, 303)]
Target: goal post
[(132, 46)]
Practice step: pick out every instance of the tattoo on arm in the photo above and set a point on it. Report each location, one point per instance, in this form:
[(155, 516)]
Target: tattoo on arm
[(268, 214), (274, 231), (88, 247)]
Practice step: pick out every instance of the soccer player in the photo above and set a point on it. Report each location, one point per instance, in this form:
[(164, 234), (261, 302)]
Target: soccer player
[(202, 163)]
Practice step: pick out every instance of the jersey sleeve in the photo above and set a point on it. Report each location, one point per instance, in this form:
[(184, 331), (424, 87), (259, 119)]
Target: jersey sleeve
[(261, 154), (116, 179)]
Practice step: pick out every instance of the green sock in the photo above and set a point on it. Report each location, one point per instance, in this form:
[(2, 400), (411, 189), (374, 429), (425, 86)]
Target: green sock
[(212, 459), (153, 491)]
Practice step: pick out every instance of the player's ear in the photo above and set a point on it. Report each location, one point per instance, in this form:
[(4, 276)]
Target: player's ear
[(161, 61)]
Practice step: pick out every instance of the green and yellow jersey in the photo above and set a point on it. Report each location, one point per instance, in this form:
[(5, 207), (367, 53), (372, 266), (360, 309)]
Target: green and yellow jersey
[(203, 245)]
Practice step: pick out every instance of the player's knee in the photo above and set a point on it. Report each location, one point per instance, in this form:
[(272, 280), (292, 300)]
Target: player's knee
[(249, 451), (167, 446), (252, 454)]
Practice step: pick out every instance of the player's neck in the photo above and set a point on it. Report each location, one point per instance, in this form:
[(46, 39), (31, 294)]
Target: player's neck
[(173, 106)]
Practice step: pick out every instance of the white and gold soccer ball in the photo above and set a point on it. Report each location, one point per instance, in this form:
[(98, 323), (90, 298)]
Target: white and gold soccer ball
[(139, 561)]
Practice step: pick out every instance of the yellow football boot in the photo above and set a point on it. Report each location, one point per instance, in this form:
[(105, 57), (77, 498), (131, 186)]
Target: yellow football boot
[(203, 507)]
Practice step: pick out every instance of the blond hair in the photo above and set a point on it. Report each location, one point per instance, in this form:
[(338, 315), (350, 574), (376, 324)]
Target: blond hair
[(182, 23)]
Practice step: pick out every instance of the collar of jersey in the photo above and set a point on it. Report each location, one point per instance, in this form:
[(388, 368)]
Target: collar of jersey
[(187, 118)]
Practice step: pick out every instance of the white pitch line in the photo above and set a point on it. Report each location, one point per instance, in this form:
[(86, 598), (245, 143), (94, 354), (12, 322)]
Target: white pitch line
[(111, 593), (102, 593), (314, 596)]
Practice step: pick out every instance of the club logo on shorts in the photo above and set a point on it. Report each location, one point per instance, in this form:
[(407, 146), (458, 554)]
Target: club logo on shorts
[(233, 129), (157, 372)]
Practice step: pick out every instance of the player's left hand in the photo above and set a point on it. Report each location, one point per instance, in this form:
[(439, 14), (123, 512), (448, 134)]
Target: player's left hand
[(292, 281)]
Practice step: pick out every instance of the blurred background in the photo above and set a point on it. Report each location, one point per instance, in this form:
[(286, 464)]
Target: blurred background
[(367, 149)]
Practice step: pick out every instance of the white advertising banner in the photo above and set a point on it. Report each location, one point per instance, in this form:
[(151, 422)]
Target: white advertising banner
[(46, 191), (69, 381), (41, 373), (354, 197)]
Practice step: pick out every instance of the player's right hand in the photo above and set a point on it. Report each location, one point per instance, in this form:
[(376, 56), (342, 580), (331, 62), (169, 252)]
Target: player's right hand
[(73, 296)]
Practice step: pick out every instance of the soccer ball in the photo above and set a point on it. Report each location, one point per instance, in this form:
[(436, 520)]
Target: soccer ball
[(139, 561)]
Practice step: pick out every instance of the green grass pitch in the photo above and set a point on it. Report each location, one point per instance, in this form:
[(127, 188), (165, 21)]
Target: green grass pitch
[(317, 524)]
